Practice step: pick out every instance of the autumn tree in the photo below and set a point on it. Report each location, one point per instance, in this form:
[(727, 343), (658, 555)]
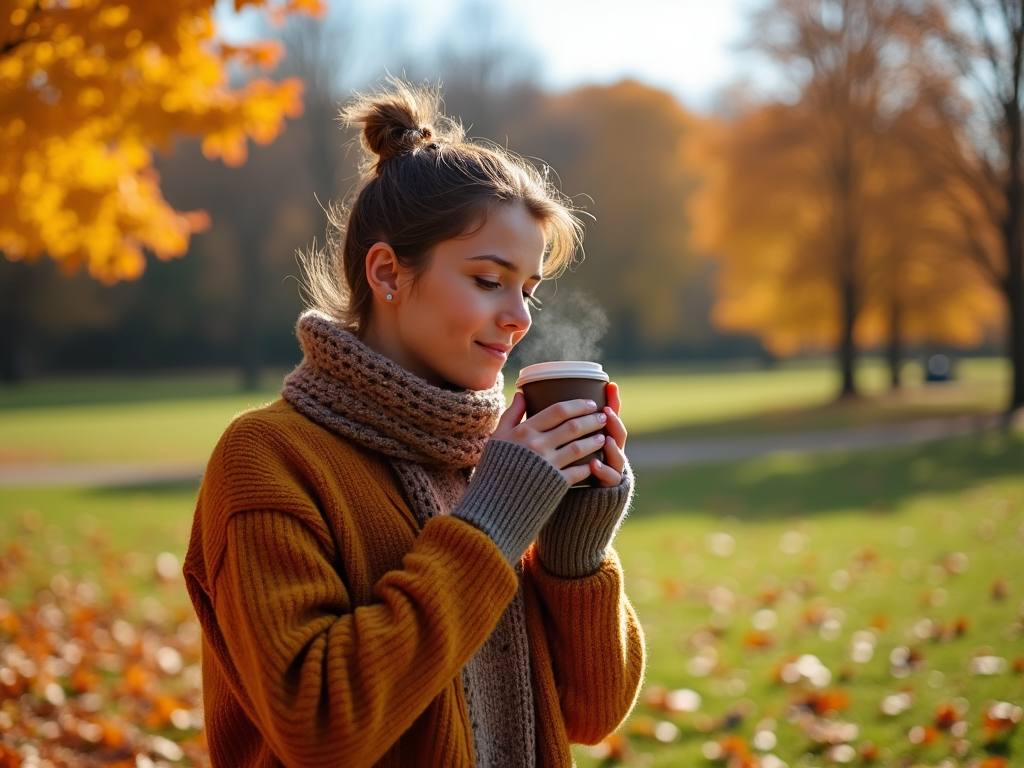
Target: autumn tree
[(762, 211), (619, 150), (788, 207), (87, 90), (920, 283)]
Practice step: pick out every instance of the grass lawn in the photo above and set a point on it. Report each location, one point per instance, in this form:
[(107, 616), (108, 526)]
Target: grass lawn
[(798, 398), (788, 602), (738, 570), (180, 418)]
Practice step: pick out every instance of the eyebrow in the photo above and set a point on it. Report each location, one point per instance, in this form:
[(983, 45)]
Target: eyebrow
[(503, 263)]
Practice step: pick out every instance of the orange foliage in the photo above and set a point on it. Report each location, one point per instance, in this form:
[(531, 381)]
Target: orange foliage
[(917, 247), (757, 639), (840, 215), (629, 144), (765, 213), (822, 703), (946, 716), (87, 89), (759, 212)]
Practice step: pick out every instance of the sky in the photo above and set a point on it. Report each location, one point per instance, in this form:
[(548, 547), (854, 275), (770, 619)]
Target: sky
[(687, 47), (681, 45), (684, 46)]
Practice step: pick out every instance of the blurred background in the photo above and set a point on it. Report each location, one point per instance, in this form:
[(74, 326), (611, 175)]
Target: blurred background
[(804, 236), (760, 183)]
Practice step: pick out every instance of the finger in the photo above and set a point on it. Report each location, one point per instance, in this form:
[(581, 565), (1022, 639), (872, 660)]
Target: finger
[(513, 414), (576, 450), (576, 474), (606, 476), (574, 429), (615, 429), (611, 393), (613, 455), (556, 414)]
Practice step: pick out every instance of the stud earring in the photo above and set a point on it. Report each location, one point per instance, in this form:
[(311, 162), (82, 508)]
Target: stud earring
[(390, 297)]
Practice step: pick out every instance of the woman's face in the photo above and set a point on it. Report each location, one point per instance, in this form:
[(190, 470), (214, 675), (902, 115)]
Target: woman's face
[(457, 323)]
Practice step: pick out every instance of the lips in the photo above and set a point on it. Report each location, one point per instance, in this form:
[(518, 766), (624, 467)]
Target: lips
[(498, 350)]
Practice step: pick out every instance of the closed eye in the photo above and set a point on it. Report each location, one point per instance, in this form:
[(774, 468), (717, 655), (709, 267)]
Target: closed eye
[(490, 285)]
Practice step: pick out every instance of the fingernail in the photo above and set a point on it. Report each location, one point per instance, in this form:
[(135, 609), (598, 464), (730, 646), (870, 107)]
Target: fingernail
[(602, 417), (591, 404), (597, 464), (599, 437)]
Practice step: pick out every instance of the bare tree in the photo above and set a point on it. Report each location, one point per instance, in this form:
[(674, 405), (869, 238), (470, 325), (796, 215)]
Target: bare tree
[(488, 75), (322, 54), (985, 43)]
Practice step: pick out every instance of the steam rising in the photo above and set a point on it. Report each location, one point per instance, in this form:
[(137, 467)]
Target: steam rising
[(570, 327)]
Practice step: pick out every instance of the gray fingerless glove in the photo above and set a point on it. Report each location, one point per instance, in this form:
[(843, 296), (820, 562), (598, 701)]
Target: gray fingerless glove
[(575, 541), (512, 494)]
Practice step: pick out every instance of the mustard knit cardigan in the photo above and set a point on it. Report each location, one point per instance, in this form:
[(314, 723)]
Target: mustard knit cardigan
[(334, 627)]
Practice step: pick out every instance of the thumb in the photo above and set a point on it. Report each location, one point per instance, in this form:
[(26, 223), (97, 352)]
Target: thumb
[(611, 392), (513, 414)]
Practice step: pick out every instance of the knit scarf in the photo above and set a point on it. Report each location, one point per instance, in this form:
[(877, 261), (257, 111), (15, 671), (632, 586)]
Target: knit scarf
[(434, 438)]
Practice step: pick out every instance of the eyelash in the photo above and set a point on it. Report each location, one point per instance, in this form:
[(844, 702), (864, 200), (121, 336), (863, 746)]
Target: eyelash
[(490, 285)]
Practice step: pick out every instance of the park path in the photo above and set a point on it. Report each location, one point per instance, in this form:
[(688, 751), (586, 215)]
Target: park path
[(643, 453), (652, 454)]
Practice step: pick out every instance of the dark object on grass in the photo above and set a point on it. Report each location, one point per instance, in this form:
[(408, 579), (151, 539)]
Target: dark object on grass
[(938, 369)]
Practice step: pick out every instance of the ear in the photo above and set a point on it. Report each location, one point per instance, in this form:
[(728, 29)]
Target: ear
[(382, 269)]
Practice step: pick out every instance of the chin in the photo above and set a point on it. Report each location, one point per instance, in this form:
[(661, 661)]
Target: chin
[(476, 380)]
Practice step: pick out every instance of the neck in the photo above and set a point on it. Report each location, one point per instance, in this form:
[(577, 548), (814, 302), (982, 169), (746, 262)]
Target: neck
[(382, 337)]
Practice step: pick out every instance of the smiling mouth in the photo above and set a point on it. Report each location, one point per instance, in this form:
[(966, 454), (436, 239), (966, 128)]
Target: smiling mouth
[(498, 351)]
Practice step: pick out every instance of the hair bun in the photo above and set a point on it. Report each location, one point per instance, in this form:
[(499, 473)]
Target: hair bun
[(396, 121)]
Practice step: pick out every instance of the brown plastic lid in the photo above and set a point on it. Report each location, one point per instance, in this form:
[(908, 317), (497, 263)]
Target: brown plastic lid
[(561, 369)]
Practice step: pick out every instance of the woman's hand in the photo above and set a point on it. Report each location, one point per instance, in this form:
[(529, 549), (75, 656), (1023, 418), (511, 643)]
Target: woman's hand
[(564, 432), (609, 473), (561, 434)]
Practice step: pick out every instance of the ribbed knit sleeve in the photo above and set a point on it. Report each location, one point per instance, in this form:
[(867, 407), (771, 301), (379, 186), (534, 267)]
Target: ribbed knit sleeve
[(329, 684), (575, 540), (513, 492), (595, 643)]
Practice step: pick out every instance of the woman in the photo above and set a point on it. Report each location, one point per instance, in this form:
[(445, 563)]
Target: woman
[(390, 570)]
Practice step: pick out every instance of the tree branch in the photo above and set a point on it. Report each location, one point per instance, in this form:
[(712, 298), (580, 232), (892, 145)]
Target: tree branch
[(12, 44), (977, 251)]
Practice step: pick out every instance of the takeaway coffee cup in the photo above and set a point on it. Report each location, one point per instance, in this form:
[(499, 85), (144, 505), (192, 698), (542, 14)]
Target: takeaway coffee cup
[(545, 384)]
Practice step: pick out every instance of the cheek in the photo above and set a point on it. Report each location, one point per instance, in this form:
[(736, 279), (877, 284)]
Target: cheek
[(448, 311), (466, 311)]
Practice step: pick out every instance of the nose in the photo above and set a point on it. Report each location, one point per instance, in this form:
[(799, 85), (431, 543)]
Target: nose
[(515, 317)]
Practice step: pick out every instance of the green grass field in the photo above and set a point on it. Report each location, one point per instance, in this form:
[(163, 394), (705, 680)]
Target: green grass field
[(177, 419), (900, 544), (743, 573)]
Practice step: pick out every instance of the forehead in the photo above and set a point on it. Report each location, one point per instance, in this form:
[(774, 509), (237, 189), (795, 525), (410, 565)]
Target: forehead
[(509, 233)]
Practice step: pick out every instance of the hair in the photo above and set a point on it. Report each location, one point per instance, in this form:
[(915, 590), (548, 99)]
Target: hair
[(421, 182)]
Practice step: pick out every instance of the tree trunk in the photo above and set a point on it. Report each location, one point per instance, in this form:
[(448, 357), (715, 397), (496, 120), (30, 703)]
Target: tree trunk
[(249, 316), (847, 248), (895, 346), (1013, 235), (847, 348), (848, 298), (15, 321), (1014, 289), (1013, 285)]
